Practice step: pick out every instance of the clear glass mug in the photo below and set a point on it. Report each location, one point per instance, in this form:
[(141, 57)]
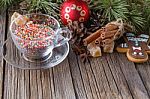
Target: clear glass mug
[(40, 48)]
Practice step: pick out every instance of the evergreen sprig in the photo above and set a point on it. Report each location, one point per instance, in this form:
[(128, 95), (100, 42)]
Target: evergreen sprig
[(114, 9), (146, 14), (47, 6), (6, 3), (133, 12)]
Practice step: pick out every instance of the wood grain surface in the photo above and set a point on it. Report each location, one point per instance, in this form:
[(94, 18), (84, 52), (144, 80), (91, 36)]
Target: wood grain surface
[(2, 37), (111, 76)]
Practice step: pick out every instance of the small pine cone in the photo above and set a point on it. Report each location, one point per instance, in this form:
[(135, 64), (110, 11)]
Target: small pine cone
[(24, 5), (79, 33), (96, 21)]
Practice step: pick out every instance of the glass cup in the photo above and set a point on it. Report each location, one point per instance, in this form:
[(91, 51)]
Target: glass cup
[(47, 36)]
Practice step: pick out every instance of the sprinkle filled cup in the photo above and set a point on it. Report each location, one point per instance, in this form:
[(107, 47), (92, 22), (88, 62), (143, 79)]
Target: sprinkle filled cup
[(38, 35)]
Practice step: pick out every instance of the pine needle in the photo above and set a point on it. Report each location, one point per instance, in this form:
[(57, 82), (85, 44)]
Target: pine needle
[(6, 3)]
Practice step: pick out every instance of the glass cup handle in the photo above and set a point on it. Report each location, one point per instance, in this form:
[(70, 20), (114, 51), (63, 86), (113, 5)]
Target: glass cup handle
[(63, 36)]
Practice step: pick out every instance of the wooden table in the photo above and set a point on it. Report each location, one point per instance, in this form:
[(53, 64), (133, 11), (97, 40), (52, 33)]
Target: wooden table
[(111, 76)]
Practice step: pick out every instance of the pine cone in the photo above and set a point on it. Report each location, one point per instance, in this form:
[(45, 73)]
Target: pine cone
[(96, 21), (24, 5), (79, 32)]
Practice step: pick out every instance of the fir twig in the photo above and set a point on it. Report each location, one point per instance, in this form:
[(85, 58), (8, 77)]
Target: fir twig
[(6, 3), (134, 12)]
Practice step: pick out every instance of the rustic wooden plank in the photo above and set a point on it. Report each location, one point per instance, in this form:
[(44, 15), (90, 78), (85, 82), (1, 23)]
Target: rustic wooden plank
[(144, 71), (26, 84), (20, 84), (10, 80), (110, 78), (46, 78), (101, 79), (33, 85), (76, 76), (40, 89), (63, 85), (11, 85), (118, 76), (16, 83), (40, 84), (132, 77), (52, 88), (106, 83), (89, 80), (2, 37), (5, 95), (26, 74), (103, 83)]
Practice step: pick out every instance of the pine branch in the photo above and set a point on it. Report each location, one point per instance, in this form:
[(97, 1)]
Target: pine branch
[(135, 19), (6, 3), (114, 9), (134, 12), (146, 14), (45, 6)]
